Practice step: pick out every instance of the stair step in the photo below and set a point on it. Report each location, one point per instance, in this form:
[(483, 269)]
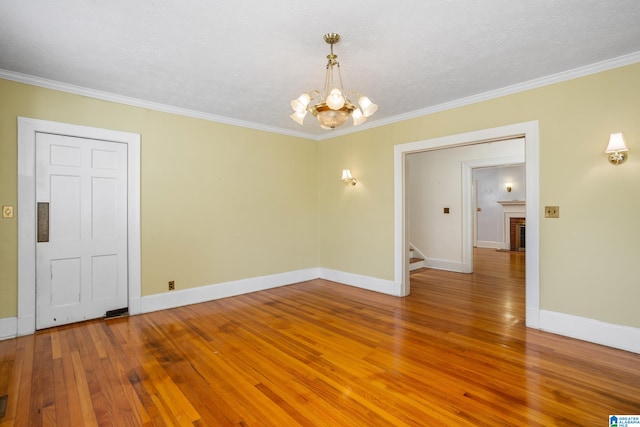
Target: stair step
[(416, 263)]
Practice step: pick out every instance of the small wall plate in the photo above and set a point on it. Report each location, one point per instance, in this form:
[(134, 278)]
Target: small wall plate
[(7, 212)]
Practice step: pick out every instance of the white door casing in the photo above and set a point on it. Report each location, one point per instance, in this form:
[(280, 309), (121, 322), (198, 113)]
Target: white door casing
[(28, 130), (81, 268), (529, 131)]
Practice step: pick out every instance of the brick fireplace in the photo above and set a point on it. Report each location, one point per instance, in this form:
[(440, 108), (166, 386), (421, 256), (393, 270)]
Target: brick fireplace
[(517, 229), (514, 212)]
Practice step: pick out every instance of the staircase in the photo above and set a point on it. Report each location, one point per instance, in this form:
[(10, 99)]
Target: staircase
[(415, 259)]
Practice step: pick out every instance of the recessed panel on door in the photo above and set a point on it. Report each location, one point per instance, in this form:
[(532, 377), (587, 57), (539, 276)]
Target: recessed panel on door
[(104, 159), (64, 208), (65, 282), (104, 201), (104, 281), (65, 155)]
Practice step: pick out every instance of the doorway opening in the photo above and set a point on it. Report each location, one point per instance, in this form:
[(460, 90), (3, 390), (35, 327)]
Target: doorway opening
[(528, 131)]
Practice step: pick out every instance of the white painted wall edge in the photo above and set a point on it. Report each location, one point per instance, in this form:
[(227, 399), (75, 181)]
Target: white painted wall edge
[(489, 244), (200, 294), (146, 304), (364, 282), (8, 327), (238, 287), (443, 264), (585, 329)]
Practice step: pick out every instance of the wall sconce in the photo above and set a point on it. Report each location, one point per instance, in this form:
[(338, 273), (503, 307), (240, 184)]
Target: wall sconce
[(617, 149), (347, 178), (509, 186)]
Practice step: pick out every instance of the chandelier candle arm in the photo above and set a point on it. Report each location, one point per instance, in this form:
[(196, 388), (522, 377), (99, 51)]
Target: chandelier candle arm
[(335, 106)]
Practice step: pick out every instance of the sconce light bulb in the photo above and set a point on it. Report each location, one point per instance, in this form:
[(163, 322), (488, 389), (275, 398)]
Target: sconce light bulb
[(347, 178), (617, 150)]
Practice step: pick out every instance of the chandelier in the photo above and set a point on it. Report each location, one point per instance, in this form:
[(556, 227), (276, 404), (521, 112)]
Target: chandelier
[(334, 106)]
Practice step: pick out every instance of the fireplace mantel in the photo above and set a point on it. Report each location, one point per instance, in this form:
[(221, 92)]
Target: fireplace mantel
[(512, 202)]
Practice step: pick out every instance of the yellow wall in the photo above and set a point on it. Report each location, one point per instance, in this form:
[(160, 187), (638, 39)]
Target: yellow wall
[(590, 257), (218, 202), (221, 203)]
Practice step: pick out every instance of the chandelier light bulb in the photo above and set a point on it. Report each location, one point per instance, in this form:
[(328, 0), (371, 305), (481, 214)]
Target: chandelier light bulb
[(335, 100), (368, 107), (358, 117), (298, 116), (301, 103)]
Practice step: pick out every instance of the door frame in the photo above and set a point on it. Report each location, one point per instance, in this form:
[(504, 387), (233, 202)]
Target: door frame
[(530, 132), (27, 130), (469, 212)]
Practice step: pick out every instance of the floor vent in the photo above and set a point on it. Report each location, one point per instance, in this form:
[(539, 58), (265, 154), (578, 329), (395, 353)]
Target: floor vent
[(119, 312), (3, 404)]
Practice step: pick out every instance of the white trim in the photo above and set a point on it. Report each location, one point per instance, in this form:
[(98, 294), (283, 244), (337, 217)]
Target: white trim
[(179, 298), (137, 102), (488, 244), (359, 281), (216, 291), (8, 328), (467, 201), (224, 290), (597, 67), (27, 129), (528, 130), (612, 335), (445, 264), (582, 328), (563, 76)]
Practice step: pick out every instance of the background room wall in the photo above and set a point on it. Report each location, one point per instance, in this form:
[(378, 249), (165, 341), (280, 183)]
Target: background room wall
[(434, 181), (490, 188), (224, 203), (218, 202), (588, 256)]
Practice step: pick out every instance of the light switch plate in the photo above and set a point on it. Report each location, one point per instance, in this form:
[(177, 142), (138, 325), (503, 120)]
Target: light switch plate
[(7, 211)]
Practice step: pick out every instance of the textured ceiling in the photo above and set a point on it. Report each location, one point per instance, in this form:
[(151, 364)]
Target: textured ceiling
[(244, 60)]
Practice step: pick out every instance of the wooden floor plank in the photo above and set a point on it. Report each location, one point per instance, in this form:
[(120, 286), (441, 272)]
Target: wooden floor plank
[(454, 352)]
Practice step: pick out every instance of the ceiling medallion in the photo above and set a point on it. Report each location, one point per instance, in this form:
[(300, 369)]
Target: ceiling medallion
[(334, 107)]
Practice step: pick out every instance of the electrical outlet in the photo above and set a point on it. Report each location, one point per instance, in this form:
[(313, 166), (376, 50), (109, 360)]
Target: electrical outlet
[(552, 211), (7, 212), (172, 285)]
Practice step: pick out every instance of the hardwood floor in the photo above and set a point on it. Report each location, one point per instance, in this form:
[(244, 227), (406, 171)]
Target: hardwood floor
[(455, 352)]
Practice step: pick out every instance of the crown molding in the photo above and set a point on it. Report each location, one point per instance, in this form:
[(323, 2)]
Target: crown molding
[(586, 70), (137, 102), (575, 73)]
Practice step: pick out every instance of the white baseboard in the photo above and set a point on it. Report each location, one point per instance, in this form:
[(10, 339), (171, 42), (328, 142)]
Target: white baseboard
[(8, 327), (533, 317), (365, 282), (223, 290), (443, 264), (489, 244), (609, 334)]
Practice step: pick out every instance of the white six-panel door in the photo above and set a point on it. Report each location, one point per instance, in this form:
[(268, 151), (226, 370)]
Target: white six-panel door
[(81, 266)]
